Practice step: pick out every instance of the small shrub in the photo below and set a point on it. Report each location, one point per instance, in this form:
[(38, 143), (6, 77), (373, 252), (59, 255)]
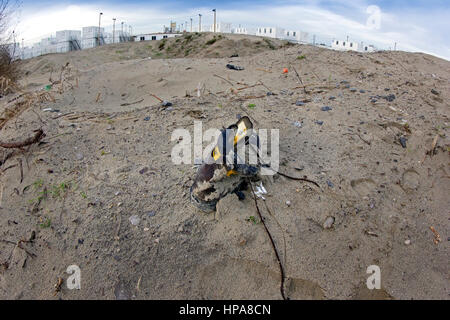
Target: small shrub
[(210, 42)]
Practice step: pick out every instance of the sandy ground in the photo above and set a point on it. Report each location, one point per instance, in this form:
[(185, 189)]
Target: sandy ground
[(108, 164)]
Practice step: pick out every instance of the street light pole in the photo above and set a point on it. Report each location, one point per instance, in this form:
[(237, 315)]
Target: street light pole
[(199, 22), (114, 30), (214, 10), (191, 24), (99, 22)]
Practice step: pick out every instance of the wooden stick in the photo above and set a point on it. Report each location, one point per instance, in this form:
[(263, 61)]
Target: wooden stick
[(36, 138)]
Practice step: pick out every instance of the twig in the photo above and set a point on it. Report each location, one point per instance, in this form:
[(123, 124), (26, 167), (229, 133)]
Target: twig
[(272, 242), (36, 138), (21, 169), (300, 79), (215, 75), (154, 96), (131, 103)]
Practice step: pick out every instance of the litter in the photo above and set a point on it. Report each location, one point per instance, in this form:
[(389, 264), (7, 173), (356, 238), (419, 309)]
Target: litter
[(233, 67), (260, 191)]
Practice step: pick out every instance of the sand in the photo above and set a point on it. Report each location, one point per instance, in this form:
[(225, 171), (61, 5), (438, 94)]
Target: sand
[(109, 160)]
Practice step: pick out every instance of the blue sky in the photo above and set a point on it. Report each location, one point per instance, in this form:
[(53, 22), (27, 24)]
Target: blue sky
[(416, 25)]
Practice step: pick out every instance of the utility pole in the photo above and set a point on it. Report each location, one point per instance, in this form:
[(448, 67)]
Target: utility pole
[(185, 26), (395, 46), (99, 22), (122, 28), (214, 10), (199, 22), (114, 30), (23, 50), (191, 24), (314, 40)]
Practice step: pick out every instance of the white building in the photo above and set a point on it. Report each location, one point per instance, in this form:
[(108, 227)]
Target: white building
[(353, 46), (271, 32), (368, 48), (68, 40), (344, 45), (296, 36), (223, 27), (92, 37), (240, 30), (155, 36)]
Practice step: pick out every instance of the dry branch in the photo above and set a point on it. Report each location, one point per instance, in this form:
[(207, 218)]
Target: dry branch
[(20, 144)]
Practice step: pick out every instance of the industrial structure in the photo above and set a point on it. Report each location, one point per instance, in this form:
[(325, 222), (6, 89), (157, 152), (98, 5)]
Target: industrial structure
[(93, 36)]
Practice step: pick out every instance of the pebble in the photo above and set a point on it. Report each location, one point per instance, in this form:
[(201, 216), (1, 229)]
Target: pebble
[(362, 91), (332, 98), (143, 170), (166, 103), (146, 118), (134, 219), (403, 141), (319, 122), (353, 89), (299, 103), (80, 156), (180, 229), (326, 108), (151, 214), (330, 184), (288, 203), (433, 91), (407, 242), (328, 223)]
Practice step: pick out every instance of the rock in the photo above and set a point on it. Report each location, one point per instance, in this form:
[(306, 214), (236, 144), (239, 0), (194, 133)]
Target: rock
[(288, 203), (330, 184), (166, 103), (319, 122), (332, 98), (143, 170), (79, 156), (353, 89), (329, 222), (134, 219), (326, 108), (151, 213), (180, 229), (299, 103), (298, 124), (390, 97), (146, 118), (403, 141), (435, 92), (407, 242), (362, 91)]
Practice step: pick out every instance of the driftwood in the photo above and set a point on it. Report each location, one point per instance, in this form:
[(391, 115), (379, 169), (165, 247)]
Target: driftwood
[(20, 144)]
